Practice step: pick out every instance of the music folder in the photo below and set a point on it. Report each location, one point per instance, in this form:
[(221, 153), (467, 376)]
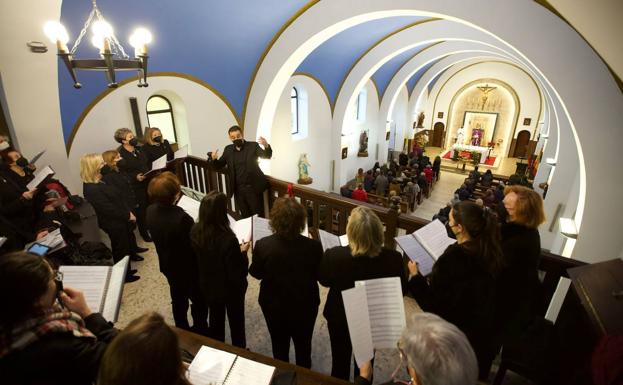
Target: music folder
[(426, 245)]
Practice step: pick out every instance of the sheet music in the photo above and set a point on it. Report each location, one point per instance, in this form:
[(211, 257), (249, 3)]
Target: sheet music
[(53, 239), (36, 157), (248, 372), (115, 290), (158, 164), (386, 310), (90, 279), (343, 240), (328, 240), (40, 177), (434, 238), (210, 366), (181, 153), (359, 328), (261, 228), (243, 229), (191, 206), (416, 252)]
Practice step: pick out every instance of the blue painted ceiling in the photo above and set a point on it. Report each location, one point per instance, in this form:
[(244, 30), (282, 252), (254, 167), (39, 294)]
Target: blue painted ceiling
[(384, 75), (418, 75)]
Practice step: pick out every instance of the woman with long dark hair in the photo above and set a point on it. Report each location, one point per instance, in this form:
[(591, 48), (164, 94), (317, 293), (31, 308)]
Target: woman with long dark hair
[(461, 287), (223, 267)]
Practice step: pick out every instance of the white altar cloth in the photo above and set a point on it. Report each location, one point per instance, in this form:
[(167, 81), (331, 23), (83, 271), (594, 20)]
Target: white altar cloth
[(484, 151)]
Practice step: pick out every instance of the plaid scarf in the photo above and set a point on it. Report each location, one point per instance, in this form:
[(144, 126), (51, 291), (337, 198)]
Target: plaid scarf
[(52, 320)]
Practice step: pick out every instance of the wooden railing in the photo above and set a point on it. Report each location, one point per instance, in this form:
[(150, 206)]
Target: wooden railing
[(329, 211)]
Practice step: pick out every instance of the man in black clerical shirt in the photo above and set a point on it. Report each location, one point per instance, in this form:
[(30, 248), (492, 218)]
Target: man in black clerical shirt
[(247, 181)]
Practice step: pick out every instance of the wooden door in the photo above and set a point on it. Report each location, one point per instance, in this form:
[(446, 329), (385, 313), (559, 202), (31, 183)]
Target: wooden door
[(521, 144), (438, 130)]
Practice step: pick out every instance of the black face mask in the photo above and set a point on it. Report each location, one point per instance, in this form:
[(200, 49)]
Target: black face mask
[(158, 139), (133, 142), (106, 169), (22, 162), (238, 142), (449, 231)]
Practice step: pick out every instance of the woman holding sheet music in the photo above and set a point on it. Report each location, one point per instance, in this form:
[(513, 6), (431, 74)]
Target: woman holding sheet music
[(155, 145), (287, 263), (363, 258), (461, 286), (223, 267), (43, 341)]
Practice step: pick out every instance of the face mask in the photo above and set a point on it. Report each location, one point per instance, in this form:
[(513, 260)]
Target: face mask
[(238, 142), (4, 145), (449, 231), (158, 139), (133, 142), (105, 169), (22, 162)]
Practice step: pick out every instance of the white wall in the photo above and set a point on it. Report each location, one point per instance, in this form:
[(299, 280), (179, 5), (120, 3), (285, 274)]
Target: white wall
[(351, 131), (401, 118), (317, 145), (207, 118), (30, 83)]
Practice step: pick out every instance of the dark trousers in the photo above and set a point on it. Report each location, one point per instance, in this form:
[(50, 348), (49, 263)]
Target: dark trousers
[(341, 349), (182, 291), (295, 325), (120, 240), (141, 209), (234, 307), (249, 202)]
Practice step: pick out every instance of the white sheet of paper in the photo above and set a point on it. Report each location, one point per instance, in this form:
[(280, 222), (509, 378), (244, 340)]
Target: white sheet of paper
[(359, 328), (416, 252), (434, 238), (53, 239), (115, 290), (181, 153), (91, 280), (344, 240), (159, 163), (261, 228), (210, 366), (39, 177), (249, 372), (191, 206), (328, 240), (243, 229), (386, 310)]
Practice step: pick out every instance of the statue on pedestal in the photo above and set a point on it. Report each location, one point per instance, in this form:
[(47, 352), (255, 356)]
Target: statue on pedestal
[(304, 170), (420, 120), (363, 144), (460, 136)]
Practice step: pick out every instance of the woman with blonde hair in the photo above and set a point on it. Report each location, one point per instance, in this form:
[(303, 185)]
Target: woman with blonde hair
[(113, 215), (155, 145), (363, 258)]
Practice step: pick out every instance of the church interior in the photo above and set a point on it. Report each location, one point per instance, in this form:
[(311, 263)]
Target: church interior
[(515, 87)]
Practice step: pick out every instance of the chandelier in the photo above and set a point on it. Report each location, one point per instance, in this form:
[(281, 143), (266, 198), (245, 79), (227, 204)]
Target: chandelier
[(112, 55)]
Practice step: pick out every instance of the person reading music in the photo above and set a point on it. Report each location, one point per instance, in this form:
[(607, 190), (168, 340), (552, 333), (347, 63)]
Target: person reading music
[(247, 181)]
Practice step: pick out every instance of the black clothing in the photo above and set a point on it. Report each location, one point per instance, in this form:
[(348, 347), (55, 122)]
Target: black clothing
[(223, 272), (132, 164), (289, 295), (120, 181), (19, 211), (244, 170), (487, 179), (59, 358), (403, 159), (169, 227), (461, 291), (156, 151), (339, 270)]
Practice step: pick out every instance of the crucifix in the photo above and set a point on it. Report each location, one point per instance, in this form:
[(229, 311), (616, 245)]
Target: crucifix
[(485, 93)]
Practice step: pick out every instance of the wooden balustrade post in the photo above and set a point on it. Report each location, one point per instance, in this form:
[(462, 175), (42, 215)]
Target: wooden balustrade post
[(391, 228)]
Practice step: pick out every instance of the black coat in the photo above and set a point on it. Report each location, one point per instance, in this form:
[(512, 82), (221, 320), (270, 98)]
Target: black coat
[(120, 181), (154, 151), (339, 270), (461, 291), (169, 227), (108, 204), (133, 164), (289, 273), (520, 296), (251, 151), (21, 212), (59, 358), (223, 268)]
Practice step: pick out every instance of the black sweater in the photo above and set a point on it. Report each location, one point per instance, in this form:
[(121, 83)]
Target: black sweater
[(109, 205), (155, 151)]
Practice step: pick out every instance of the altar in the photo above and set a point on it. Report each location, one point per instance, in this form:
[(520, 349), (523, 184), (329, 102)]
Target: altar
[(484, 151)]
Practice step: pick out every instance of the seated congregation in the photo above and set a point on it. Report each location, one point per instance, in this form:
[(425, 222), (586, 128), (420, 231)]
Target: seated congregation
[(483, 291)]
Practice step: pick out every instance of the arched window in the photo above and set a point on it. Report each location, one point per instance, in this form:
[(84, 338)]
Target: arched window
[(294, 110), (160, 114), (360, 106)]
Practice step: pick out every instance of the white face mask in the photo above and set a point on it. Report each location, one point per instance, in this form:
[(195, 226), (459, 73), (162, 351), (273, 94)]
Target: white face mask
[(4, 145)]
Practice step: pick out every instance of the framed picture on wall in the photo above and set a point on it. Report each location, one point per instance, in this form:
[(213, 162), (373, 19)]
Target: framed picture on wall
[(440, 115), (527, 121), (387, 135), (344, 152)]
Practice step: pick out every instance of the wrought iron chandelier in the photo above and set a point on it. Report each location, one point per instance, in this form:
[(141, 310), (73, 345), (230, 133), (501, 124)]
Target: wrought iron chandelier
[(112, 55)]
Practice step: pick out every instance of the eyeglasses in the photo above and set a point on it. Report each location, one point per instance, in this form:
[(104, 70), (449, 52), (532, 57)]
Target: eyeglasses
[(400, 365)]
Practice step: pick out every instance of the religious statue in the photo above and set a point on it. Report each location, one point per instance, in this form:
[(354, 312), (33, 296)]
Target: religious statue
[(420, 120), (363, 144), (460, 136), (304, 170)]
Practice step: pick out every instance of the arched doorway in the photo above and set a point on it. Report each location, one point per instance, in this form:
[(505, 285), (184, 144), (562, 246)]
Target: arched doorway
[(438, 131), (521, 144)]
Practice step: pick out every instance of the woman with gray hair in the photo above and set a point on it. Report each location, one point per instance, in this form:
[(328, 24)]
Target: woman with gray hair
[(434, 351), (363, 258)]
